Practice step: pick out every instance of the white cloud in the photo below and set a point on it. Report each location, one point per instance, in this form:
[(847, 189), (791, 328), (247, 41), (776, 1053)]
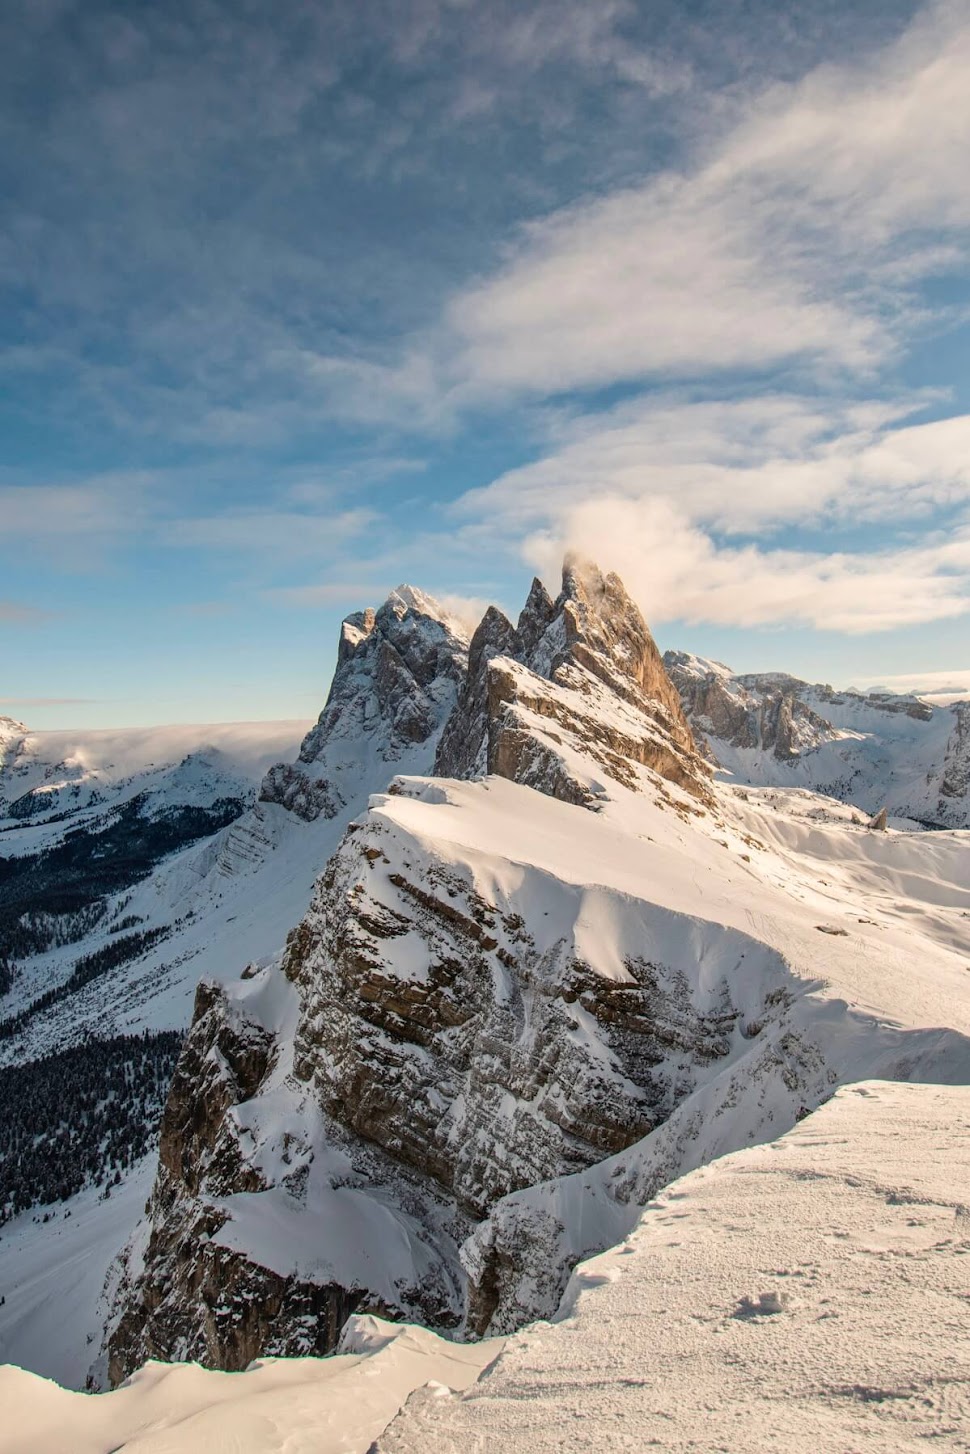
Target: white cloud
[(791, 239), (743, 465), (270, 533), (676, 571), (100, 508)]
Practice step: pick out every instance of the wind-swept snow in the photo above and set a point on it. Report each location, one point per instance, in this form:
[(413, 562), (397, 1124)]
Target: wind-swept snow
[(807, 1294), (810, 1294), (279, 1406)]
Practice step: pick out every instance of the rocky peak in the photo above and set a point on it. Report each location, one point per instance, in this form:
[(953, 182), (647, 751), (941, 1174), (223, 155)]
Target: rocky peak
[(354, 630), (398, 673), (763, 712), (575, 690)]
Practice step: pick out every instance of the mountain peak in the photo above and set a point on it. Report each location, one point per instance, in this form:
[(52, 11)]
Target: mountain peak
[(397, 676), (588, 662)]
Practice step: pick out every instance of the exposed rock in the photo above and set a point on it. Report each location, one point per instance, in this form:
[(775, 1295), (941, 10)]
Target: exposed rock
[(873, 750), (578, 681), (881, 821), (955, 778), (448, 1052), (398, 673), (763, 713)]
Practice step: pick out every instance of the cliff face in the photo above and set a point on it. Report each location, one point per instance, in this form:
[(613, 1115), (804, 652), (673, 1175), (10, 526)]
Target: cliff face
[(574, 693), (765, 713), (398, 672), (457, 1027), (874, 751)]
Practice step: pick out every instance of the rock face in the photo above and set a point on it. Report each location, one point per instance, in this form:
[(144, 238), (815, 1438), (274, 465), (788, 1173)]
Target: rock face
[(578, 683), (399, 670), (208, 1296), (763, 713), (955, 781), (772, 729), (452, 1035)]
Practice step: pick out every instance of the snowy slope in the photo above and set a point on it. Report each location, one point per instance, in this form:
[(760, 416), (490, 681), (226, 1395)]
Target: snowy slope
[(279, 1406), (44, 775), (52, 1277), (806, 1294), (809, 1293), (901, 752)]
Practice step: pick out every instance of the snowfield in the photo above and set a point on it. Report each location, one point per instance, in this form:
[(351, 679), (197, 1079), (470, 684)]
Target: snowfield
[(808, 1294), (280, 1406)]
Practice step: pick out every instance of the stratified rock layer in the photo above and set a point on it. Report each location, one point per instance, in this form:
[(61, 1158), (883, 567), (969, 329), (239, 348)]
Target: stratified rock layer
[(398, 672), (574, 692)]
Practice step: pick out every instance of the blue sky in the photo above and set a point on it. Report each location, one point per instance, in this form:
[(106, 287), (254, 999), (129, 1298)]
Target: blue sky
[(298, 301)]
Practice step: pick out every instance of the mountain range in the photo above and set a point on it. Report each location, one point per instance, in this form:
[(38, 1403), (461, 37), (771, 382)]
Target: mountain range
[(529, 927)]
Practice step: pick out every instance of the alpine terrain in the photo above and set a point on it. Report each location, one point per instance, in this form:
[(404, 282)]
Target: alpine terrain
[(541, 945)]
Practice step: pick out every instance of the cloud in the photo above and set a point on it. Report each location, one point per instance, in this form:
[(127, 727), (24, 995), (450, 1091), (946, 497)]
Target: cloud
[(48, 701), (677, 571), (355, 595), (797, 237), (744, 465), (102, 507), (270, 533)]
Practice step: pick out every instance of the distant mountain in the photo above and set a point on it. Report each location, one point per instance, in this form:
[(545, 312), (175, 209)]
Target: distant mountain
[(873, 750)]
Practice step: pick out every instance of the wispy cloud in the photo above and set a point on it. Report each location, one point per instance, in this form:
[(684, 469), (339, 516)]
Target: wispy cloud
[(48, 701), (291, 534), (677, 571), (744, 465), (792, 239)]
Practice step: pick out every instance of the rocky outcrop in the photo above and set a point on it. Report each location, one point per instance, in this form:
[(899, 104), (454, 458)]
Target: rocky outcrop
[(577, 683), (457, 1035), (195, 1299), (955, 778), (872, 750), (398, 673), (762, 713), (450, 1041)]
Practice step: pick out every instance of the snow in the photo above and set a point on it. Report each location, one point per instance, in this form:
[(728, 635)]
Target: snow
[(809, 1293), (52, 1275), (806, 1294), (735, 902), (277, 1406), (86, 770)]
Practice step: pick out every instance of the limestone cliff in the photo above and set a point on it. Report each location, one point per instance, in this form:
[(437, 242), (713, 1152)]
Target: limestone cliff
[(398, 672), (574, 693)]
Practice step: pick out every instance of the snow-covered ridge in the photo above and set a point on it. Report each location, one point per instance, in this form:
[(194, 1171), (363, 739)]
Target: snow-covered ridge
[(506, 1022), (805, 1294), (810, 1291), (900, 752)]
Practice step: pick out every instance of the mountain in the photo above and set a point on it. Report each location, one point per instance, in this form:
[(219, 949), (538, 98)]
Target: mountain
[(813, 1287), (88, 823), (180, 858), (530, 990), (874, 751)]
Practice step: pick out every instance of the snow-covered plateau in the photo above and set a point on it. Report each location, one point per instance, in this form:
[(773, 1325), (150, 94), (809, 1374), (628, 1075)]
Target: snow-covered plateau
[(499, 972)]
